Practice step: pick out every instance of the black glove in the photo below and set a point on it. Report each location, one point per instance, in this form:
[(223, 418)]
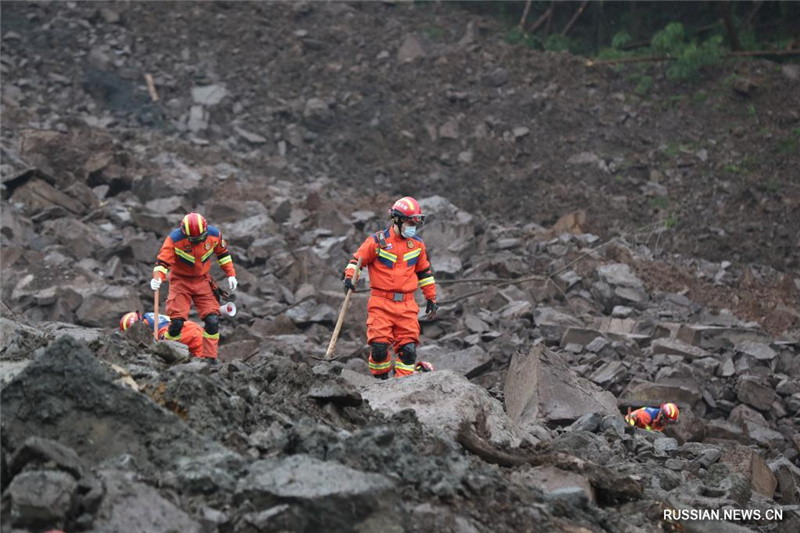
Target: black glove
[(431, 308), (348, 285)]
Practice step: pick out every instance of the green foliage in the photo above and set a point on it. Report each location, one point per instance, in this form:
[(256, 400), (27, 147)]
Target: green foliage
[(690, 57), (659, 202), (671, 40), (517, 36), (788, 145), (433, 33), (620, 39), (700, 97), (671, 221), (732, 168), (643, 83), (557, 42)]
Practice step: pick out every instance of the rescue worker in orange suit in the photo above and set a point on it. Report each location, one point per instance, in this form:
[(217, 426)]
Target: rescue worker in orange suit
[(186, 257), (191, 334), (398, 264), (653, 418)]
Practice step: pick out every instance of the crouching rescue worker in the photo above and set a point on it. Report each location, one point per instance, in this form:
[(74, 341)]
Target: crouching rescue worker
[(398, 264), (185, 257), (191, 333), (653, 418)]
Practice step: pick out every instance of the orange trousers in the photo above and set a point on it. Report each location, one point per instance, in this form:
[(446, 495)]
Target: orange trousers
[(183, 290), (191, 336), (393, 323)]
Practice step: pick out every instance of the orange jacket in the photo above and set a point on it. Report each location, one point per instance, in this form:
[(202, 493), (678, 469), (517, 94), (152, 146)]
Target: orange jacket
[(396, 264), (649, 418), (187, 259)]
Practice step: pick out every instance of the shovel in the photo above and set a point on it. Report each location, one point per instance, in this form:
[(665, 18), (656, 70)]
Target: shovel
[(340, 321)]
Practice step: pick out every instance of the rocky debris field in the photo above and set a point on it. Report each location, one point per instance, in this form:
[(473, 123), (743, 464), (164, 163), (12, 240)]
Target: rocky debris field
[(651, 242)]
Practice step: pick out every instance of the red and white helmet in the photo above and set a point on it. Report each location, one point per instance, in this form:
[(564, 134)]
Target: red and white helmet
[(407, 208), (194, 227), (129, 319), (424, 366), (670, 411)]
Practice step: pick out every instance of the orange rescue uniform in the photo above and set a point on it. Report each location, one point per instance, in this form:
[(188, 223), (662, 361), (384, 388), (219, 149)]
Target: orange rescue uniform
[(191, 334), (397, 267), (188, 266)]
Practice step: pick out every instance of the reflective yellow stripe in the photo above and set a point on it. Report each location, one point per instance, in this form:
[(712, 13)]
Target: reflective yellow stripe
[(426, 281), (188, 257), (207, 336), (412, 255), (386, 255), (400, 366), (208, 253), (170, 337), (225, 260), (186, 225), (161, 269), (380, 366)]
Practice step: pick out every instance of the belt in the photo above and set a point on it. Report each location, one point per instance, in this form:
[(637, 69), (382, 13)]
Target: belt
[(394, 296)]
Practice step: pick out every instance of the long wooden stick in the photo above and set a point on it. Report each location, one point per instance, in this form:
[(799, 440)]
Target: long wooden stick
[(574, 18), (525, 14), (151, 86), (340, 321), (155, 314)]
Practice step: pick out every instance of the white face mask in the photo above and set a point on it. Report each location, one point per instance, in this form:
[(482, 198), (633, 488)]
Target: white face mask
[(408, 231)]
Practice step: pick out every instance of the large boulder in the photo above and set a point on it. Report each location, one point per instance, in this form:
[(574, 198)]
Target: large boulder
[(442, 400), (104, 307), (449, 233), (540, 388), (133, 507), (320, 494), (745, 461), (66, 394)]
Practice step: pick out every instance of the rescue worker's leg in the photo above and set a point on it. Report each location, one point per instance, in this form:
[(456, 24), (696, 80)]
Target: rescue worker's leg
[(179, 301), (406, 357), (379, 331), (208, 309), (406, 333), (192, 336)]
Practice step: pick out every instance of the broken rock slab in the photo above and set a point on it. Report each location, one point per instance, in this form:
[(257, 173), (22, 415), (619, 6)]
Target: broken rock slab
[(321, 493), (442, 400), (745, 461), (132, 507), (644, 393), (540, 388), (469, 362), (551, 478), (677, 347)]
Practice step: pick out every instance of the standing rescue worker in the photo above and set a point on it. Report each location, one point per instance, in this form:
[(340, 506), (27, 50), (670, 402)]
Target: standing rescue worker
[(185, 256), (653, 418), (398, 265), (191, 334)]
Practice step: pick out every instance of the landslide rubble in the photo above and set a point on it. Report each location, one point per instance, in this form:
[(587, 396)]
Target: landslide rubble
[(292, 127)]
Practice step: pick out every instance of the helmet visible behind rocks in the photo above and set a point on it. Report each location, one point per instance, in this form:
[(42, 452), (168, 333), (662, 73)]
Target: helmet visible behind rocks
[(129, 319), (670, 411)]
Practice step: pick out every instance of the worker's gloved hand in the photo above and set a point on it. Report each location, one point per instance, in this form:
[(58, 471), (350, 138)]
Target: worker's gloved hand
[(232, 283), (155, 283), (431, 309), (348, 285)]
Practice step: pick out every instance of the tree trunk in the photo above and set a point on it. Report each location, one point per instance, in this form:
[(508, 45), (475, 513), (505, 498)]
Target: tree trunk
[(550, 19), (574, 18), (727, 19)]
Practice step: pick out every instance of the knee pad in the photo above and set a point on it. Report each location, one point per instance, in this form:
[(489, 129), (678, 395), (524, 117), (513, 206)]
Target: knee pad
[(175, 327), (211, 324), (408, 353), (380, 352)]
